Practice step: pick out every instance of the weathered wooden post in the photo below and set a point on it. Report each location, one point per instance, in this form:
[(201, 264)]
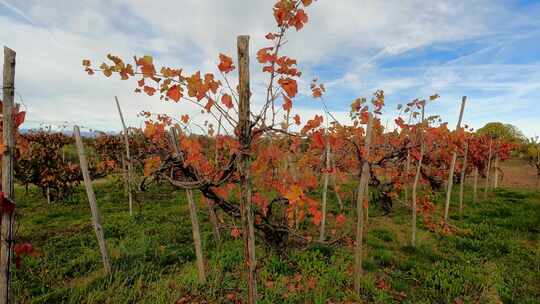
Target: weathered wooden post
[(192, 214), (450, 181), (213, 220), (488, 168), (325, 189), (364, 180), (407, 169), (475, 184), (416, 180), (496, 171), (244, 127), (8, 141), (92, 200), (128, 156), (462, 179)]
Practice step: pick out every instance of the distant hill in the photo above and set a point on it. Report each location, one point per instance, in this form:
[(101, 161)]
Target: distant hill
[(69, 132)]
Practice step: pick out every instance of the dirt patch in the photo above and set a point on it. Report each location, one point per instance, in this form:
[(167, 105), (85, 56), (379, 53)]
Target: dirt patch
[(518, 173)]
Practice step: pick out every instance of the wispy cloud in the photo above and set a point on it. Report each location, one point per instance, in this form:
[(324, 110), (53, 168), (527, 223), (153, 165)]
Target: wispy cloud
[(484, 49)]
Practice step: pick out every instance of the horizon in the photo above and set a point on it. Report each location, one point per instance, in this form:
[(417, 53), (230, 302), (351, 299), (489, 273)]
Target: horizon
[(485, 50)]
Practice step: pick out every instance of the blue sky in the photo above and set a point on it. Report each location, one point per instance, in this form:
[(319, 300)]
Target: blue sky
[(486, 50)]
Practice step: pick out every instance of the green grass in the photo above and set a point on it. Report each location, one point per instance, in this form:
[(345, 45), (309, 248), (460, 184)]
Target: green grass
[(494, 257)]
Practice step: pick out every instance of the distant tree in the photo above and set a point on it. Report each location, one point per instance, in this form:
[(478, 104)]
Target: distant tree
[(499, 130)]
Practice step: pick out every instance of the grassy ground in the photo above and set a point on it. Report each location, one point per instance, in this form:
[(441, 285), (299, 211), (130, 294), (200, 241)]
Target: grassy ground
[(494, 257)]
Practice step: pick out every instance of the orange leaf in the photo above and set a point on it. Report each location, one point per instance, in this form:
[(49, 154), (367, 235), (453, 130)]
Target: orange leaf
[(296, 119), (318, 139), (226, 99), (287, 104), (365, 204), (225, 63), (316, 92), (317, 217), (174, 93), (299, 19), (340, 219), (209, 105), (185, 118), (151, 164), (263, 55), (147, 66), (294, 193), (289, 85), (235, 232), (268, 69), (149, 90)]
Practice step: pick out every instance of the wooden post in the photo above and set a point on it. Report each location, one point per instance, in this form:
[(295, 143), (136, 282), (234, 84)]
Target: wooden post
[(496, 173), (213, 220), (475, 184), (128, 156), (366, 199), (488, 168), (48, 195), (124, 174), (92, 200), (325, 189), (244, 127), (416, 179), (537, 165), (196, 236), (334, 183), (8, 140), (407, 169), (364, 180), (462, 179), (450, 181), (193, 216)]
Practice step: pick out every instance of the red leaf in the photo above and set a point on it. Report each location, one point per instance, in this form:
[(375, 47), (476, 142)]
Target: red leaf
[(318, 139), (19, 118), (6, 205)]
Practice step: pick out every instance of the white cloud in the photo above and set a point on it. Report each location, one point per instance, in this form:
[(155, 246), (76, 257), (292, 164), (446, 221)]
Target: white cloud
[(51, 38)]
